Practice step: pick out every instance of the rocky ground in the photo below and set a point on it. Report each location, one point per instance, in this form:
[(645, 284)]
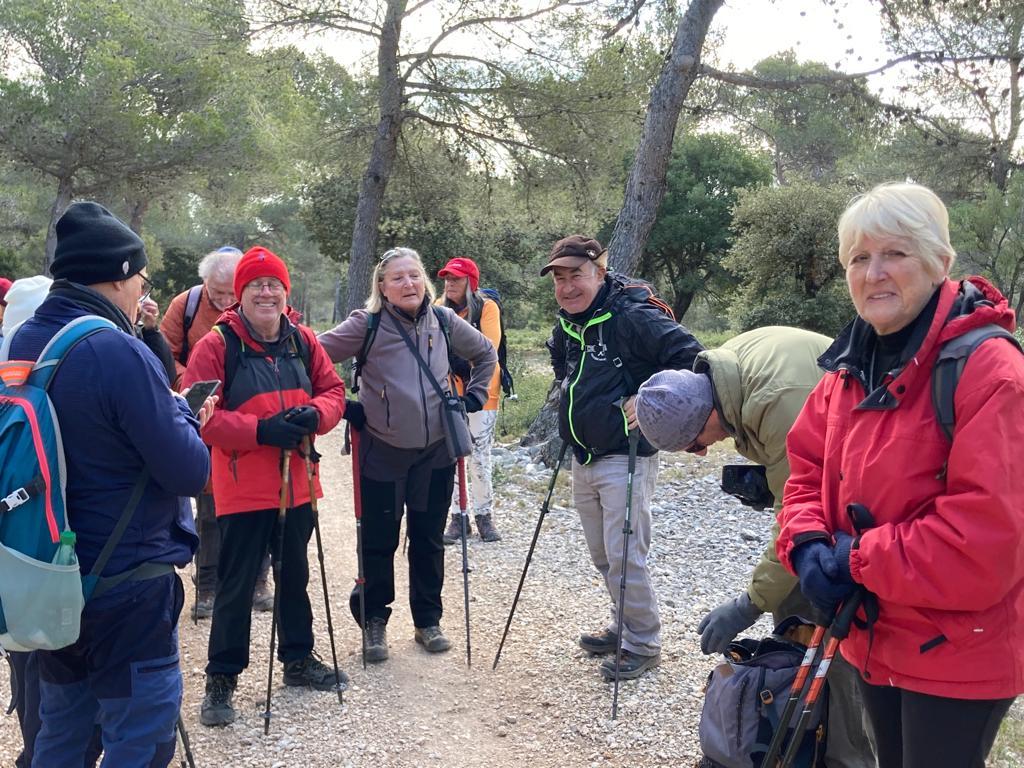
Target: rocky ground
[(546, 704)]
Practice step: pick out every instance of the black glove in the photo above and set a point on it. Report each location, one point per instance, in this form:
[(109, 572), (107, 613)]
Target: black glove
[(354, 414), (460, 367), (471, 404), (305, 416), (279, 432)]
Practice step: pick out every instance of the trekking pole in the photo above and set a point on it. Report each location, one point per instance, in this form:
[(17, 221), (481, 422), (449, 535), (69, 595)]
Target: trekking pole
[(187, 760), (463, 518), (195, 572), (861, 519), (357, 503), (323, 569), (840, 628), (286, 456), (529, 555), (634, 441), (797, 691)]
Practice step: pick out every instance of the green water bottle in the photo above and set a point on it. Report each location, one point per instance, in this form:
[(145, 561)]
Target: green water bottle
[(66, 551)]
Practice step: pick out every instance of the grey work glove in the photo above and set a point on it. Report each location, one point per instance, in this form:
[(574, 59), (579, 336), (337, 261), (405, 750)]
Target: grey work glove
[(720, 627)]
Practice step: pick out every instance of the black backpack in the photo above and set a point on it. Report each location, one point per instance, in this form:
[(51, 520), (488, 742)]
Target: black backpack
[(507, 384), (235, 349), (373, 323), (950, 366), (191, 309)]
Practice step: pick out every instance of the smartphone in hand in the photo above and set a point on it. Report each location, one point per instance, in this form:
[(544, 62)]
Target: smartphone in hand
[(198, 393)]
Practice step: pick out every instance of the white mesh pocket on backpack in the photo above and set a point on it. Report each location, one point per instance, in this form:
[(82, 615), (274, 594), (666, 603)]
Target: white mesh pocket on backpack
[(42, 603)]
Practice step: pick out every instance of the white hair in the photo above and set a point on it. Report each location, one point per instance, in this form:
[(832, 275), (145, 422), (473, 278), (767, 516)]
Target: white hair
[(221, 262)]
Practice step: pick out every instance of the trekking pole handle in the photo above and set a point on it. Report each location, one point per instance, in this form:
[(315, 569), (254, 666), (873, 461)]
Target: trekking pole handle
[(841, 623)]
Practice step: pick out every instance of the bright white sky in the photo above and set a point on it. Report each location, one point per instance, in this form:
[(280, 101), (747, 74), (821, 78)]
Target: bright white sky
[(756, 29), (752, 30)]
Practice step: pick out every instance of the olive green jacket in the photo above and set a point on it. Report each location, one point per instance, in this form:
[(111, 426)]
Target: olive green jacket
[(761, 379)]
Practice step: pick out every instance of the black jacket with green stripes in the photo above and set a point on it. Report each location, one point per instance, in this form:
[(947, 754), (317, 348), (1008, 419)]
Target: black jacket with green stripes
[(603, 355)]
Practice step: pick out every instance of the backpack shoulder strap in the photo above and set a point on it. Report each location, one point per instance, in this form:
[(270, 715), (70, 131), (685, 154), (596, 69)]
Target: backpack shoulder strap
[(950, 366), (232, 355), (191, 309), (62, 342), (372, 324)]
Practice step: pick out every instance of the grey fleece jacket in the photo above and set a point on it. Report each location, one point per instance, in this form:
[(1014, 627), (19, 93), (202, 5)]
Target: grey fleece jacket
[(402, 406)]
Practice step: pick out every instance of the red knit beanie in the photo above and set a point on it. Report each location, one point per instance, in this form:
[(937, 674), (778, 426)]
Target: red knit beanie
[(462, 267), (260, 262), (5, 285)]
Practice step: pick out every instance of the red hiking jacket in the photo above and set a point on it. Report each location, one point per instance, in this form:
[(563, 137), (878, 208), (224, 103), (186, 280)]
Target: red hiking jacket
[(247, 475), (946, 557)]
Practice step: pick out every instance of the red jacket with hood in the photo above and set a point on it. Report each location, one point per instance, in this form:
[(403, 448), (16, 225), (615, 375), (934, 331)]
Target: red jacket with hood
[(247, 475), (945, 557)]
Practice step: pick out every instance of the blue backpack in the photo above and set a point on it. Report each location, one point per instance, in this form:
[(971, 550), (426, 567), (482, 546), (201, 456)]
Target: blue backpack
[(41, 600)]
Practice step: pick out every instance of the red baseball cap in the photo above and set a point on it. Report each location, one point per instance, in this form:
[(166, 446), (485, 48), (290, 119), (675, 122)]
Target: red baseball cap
[(462, 267)]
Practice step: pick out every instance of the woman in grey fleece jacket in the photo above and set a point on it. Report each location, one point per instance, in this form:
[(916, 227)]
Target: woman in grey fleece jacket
[(403, 461)]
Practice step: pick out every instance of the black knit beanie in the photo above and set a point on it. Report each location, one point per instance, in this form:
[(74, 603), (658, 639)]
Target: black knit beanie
[(94, 246)]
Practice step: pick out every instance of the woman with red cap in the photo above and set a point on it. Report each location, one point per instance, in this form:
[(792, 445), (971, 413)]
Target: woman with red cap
[(462, 295), (279, 387), (5, 286)]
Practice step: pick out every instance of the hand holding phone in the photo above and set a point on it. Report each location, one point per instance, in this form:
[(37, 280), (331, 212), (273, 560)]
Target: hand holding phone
[(198, 393)]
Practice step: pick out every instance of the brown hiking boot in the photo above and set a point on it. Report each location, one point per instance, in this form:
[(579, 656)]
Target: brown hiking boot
[(453, 532), (485, 527), (432, 638)]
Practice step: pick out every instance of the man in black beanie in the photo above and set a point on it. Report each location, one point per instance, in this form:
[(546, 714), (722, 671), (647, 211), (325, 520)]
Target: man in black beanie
[(129, 444)]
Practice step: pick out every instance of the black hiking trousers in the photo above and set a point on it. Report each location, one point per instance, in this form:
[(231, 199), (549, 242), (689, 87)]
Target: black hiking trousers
[(245, 538), (915, 730), (381, 524)]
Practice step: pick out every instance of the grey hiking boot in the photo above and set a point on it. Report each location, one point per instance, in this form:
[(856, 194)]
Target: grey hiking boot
[(453, 532), (599, 642), (377, 640), (262, 596), (432, 638), (203, 607), (631, 665), (485, 527), (313, 673), (217, 709)]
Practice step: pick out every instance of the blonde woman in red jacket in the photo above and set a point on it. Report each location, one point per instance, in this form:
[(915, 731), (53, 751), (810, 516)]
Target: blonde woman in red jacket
[(944, 660)]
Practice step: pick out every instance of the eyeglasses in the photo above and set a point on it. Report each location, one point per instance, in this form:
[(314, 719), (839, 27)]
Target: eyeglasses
[(147, 288), (272, 285)]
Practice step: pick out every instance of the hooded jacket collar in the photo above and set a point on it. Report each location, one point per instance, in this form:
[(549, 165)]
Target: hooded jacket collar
[(962, 307)]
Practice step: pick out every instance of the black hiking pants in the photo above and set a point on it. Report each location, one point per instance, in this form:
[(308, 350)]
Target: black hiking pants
[(381, 522), (244, 539), (915, 730)]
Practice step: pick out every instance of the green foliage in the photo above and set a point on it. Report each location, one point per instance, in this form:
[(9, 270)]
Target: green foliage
[(11, 265), (785, 255), (808, 129), (177, 273), (694, 227)]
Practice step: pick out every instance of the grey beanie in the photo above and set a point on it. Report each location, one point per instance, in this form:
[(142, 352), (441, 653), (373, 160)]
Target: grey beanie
[(672, 408)]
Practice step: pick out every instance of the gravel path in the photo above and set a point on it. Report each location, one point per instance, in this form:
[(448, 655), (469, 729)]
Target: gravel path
[(546, 704)]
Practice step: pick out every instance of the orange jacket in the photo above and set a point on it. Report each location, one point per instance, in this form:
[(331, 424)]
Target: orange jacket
[(945, 557), (173, 324), (247, 475), (490, 326)]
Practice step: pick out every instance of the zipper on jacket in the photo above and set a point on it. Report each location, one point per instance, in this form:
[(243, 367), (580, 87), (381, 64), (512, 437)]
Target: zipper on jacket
[(234, 464), (280, 396), (423, 394), (387, 405), (581, 337)]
